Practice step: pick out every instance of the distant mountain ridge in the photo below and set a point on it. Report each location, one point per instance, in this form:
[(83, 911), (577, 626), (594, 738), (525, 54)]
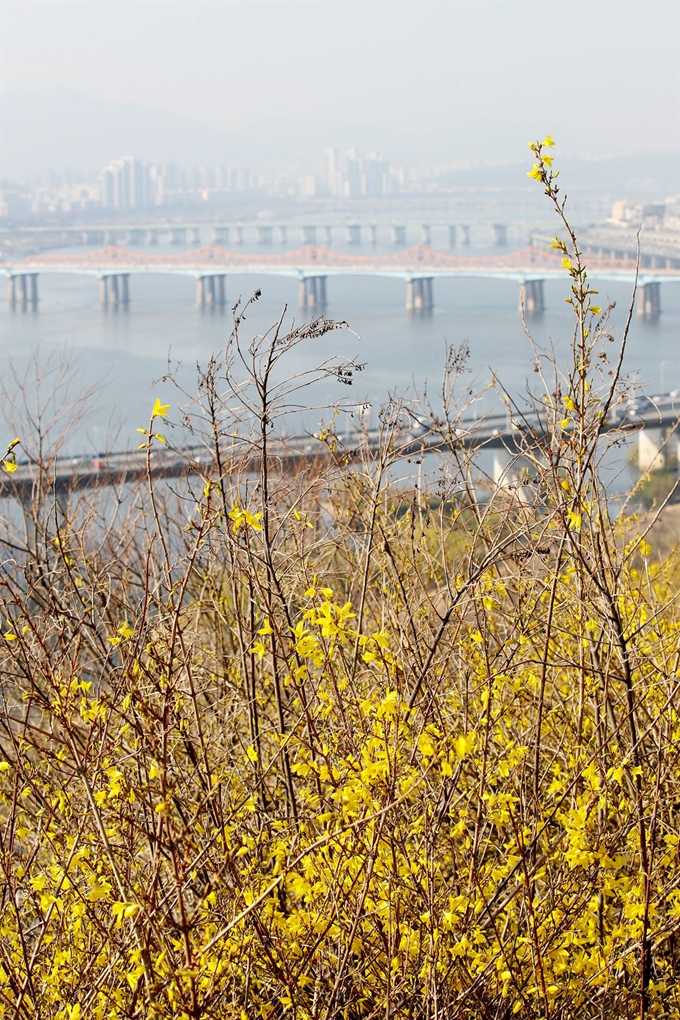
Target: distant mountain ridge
[(64, 129)]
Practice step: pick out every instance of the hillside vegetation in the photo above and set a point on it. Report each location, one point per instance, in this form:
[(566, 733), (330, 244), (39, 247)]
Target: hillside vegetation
[(298, 742)]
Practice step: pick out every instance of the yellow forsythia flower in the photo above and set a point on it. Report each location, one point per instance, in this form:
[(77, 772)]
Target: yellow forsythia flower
[(160, 409)]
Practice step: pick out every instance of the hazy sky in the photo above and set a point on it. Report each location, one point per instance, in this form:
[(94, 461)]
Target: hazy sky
[(602, 73)]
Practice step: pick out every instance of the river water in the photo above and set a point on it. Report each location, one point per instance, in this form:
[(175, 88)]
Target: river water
[(126, 349)]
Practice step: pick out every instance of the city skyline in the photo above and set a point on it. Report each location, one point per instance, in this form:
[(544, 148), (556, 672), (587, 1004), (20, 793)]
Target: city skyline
[(237, 107), (343, 178), (128, 183)]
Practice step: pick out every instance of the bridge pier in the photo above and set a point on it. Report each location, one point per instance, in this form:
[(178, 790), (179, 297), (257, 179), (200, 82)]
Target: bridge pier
[(503, 474), (500, 234), (428, 299), (419, 294), (649, 301), (152, 237), (354, 233), (179, 235), (113, 289), (22, 288), (313, 292), (398, 234), (283, 234), (211, 291), (465, 232), (33, 278), (650, 450), (531, 300), (309, 234), (18, 290), (512, 473), (221, 235), (410, 295), (425, 234), (452, 235), (264, 235), (239, 235), (374, 233)]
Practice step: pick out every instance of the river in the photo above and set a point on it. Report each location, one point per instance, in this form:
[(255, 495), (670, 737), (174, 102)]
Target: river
[(122, 351)]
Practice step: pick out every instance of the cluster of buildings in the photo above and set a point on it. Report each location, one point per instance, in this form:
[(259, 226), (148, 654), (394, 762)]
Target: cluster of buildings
[(351, 175), (131, 184), (658, 216), (128, 183), (57, 196)]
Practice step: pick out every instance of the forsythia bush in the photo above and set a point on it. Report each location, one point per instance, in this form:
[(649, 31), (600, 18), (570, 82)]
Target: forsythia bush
[(280, 743)]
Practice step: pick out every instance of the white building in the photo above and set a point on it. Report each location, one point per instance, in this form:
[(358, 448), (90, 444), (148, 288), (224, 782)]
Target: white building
[(126, 184), (349, 175), (663, 216)]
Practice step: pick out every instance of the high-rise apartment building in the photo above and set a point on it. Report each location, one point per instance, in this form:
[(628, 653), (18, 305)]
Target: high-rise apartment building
[(351, 175), (125, 184), (333, 179), (375, 179)]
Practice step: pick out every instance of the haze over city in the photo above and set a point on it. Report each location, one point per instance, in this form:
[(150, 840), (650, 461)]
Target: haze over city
[(273, 84)]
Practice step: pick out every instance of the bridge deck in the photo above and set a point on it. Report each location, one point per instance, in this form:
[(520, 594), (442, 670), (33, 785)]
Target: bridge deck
[(493, 432), (311, 260)]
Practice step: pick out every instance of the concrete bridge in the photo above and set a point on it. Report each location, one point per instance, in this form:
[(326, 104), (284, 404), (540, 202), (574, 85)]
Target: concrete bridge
[(657, 250), (653, 420), (312, 266), (280, 232)]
